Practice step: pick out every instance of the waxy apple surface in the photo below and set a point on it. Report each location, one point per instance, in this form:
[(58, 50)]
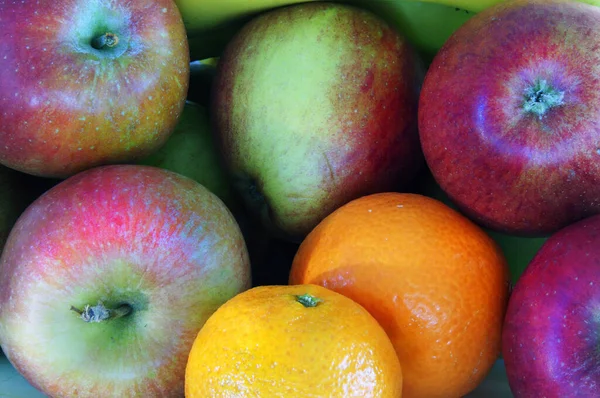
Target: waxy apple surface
[(509, 116), (150, 245), (88, 82), (315, 105), (191, 151), (551, 335)]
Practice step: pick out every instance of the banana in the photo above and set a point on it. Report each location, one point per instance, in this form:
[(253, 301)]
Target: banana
[(426, 23), (426, 26), (480, 5), (202, 16), (211, 24)]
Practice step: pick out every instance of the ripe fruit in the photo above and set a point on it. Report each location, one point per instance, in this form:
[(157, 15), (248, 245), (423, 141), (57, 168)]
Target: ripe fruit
[(480, 5), (425, 25), (518, 250), (315, 105), (552, 327), (191, 151), (156, 249), (292, 341), (508, 116), (88, 82), (433, 279)]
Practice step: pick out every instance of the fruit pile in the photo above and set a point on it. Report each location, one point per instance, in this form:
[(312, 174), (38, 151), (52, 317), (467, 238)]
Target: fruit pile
[(291, 198)]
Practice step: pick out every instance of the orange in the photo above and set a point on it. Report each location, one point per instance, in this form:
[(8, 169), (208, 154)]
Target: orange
[(435, 281), (292, 341)]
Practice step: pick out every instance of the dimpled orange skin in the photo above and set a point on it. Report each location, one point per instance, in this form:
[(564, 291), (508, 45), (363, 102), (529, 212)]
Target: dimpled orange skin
[(433, 279), (265, 343)]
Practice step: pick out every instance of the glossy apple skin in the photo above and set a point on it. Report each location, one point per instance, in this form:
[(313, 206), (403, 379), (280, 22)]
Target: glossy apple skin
[(131, 234), (551, 332), (507, 168), (65, 106), (315, 105), (191, 151)]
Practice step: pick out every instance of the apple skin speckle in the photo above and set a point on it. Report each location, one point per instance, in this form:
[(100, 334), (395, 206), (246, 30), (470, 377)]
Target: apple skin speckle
[(172, 251), (49, 56)]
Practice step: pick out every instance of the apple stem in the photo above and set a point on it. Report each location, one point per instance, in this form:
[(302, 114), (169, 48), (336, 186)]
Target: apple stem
[(99, 312), (540, 97), (107, 39), (308, 300)]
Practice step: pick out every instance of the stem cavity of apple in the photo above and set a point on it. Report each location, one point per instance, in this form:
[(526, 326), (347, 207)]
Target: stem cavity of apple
[(254, 193), (106, 40), (308, 300), (99, 312), (540, 97)]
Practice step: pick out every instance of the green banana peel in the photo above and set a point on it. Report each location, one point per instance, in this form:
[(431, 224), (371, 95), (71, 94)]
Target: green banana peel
[(200, 16), (480, 5), (469, 5), (425, 25)]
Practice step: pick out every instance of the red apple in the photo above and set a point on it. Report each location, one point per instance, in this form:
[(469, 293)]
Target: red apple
[(551, 335), (508, 116), (88, 82), (315, 105), (107, 278)]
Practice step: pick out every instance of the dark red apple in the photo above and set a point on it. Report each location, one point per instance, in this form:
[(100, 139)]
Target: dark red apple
[(551, 336), (509, 116), (88, 82)]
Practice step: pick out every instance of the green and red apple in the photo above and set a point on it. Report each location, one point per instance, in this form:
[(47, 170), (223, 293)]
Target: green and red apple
[(108, 276), (315, 105), (88, 82), (508, 116)]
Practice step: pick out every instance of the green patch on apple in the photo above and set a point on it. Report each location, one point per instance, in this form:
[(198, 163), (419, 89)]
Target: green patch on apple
[(191, 151), (103, 32)]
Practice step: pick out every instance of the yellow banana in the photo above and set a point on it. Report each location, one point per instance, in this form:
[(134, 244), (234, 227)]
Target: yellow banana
[(426, 26), (201, 16), (212, 23), (480, 5)]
